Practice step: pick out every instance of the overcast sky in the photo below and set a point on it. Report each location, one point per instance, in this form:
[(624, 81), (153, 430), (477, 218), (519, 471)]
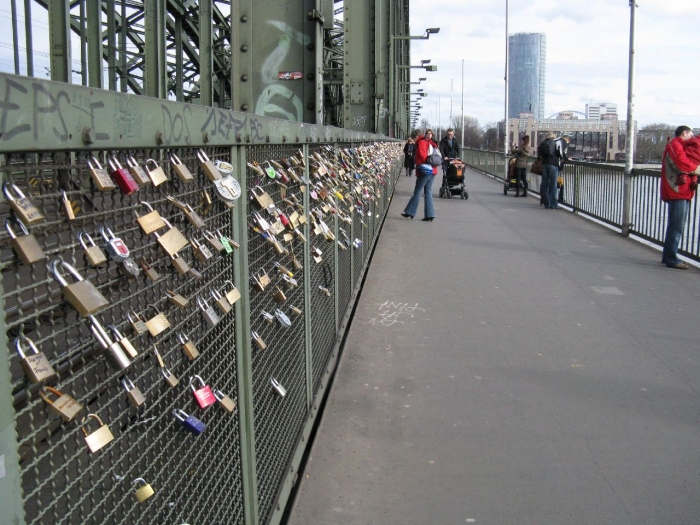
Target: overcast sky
[(587, 56)]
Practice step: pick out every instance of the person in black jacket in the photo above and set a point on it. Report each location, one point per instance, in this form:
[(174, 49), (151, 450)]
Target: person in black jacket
[(409, 150), (449, 148), (553, 153)]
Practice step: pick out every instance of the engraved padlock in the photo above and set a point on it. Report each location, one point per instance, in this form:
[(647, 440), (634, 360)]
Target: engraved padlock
[(137, 172), (124, 342), (180, 264), (156, 174), (262, 198), (228, 189), (188, 347), (100, 437), (81, 294), (191, 423), (233, 294), (169, 377), (133, 392), (213, 241), (201, 252), (192, 216), (208, 312), (182, 171), (149, 270), (26, 246), (115, 247), (282, 318), (115, 354), (150, 222), (121, 176), (35, 364), (177, 299), (64, 405), (172, 241), (99, 175), (258, 340), (203, 395), (278, 387), (279, 296), (221, 302), (93, 253), (208, 167), (228, 404), (28, 213), (137, 323), (158, 323), (143, 492)]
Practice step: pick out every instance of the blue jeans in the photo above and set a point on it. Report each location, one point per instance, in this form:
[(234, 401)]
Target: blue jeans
[(549, 186), (677, 215), (424, 184)]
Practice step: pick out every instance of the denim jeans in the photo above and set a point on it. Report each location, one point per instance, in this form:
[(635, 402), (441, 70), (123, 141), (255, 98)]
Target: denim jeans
[(424, 184), (677, 215), (549, 186)]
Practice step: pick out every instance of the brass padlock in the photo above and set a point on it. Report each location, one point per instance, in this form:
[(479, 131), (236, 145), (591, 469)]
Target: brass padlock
[(300, 235), (93, 253), (26, 246), (263, 199), (158, 323), (228, 404), (159, 358), (208, 167), (134, 394), (188, 347), (213, 240), (157, 174), (279, 295), (124, 342), (221, 302), (150, 222), (35, 365), (180, 264), (171, 241), (296, 263), (137, 323), (144, 492), (192, 216), (283, 270), (233, 294), (67, 206), (137, 172), (259, 342), (81, 294), (182, 171), (169, 377), (176, 299), (100, 437), (325, 291), (21, 205), (149, 270), (227, 241), (295, 310), (264, 278), (116, 356), (64, 405), (208, 312), (99, 175)]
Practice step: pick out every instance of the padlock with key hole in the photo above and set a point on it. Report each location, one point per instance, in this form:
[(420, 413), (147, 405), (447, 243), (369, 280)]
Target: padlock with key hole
[(137, 172), (144, 492), (134, 394), (137, 323), (208, 167), (67, 206), (227, 241), (221, 302), (259, 342), (182, 171), (262, 198), (81, 294), (93, 253), (149, 270), (169, 377), (121, 176), (233, 294), (208, 312), (99, 175), (213, 241), (100, 437), (64, 405), (180, 264), (201, 252), (282, 318), (157, 324), (188, 347), (228, 190), (35, 365), (27, 212), (283, 270), (192, 216), (191, 423), (203, 395), (228, 404), (156, 174), (129, 268), (123, 341), (172, 241), (278, 387), (115, 247), (150, 222), (267, 316), (116, 356), (26, 246), (177, 299)]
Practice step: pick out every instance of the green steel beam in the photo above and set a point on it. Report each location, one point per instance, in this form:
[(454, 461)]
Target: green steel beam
[(359, 66), (111, 44), (241, 56), (154, 69), (59, 35), (206, 91), (382, 9)]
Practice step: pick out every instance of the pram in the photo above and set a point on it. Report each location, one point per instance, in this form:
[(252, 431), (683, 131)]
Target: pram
[(453, 181), (512, 182)]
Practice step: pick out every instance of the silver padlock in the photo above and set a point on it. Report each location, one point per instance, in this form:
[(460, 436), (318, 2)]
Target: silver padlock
[(115, 354), (282, 318), (114, 246), (278, 387), (208, 312)]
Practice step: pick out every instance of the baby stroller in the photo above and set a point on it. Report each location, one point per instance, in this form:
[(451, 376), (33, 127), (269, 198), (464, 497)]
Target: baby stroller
[(453, 181), (512, 182)]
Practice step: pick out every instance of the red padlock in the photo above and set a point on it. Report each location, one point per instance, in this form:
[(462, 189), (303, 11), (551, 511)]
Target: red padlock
[(284, 219), (203, 395), (122, 177)]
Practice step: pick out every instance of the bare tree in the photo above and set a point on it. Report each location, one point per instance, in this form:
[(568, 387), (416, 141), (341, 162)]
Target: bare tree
[(473, 134), (491, 140)]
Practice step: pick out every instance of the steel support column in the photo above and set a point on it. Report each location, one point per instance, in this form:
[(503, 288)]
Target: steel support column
[(155, 71), (359, 66), (59, 34), (382, 66), (206, 90), (241, 56), (94, 51)]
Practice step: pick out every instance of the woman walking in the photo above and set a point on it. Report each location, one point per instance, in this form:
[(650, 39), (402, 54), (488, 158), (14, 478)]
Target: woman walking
[(408, 151), (521, 156), (425, 174)]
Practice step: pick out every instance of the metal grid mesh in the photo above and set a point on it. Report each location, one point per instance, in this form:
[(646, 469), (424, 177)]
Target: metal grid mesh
[(62, 481)]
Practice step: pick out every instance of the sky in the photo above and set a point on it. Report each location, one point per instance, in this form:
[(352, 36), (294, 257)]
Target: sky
[(587, 56)]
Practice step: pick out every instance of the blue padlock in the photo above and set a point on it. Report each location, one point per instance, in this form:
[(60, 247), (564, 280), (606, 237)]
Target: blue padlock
[(190, 423)]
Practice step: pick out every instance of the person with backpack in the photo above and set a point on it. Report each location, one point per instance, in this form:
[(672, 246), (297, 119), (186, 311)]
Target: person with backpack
[(553, 153), (449, 148), (426, 148)]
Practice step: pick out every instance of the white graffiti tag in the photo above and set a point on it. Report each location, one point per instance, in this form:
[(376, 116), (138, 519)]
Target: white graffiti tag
[(390, 313)]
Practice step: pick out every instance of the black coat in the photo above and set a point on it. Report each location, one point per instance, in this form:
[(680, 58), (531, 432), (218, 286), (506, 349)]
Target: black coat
[(408, 152), (447, 152)]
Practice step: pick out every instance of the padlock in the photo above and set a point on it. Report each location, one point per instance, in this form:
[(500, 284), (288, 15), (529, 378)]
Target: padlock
[(203, 395), (64, 405), (159, 358), (264, 278), (267, 316), (26, 246), (122, 177), (196, 274), (278, 387), (213, 240), (129, 268), (282, 318), (200, 250), (169, 377), (157, 174), (208, 312), (182, 171), (137, 323), (180, 264), (21, 205), (260, 220), (295, 310), (208, 167), (188, 347), (144, 492), (67, 206), (123, 341), (171, 241), (227, 241), (300, 235), (279, 296), (176, 299), (256, 168), (270, 171), (192, 216), (137, 172), (149, 270), (134, 394), (93, 253), (283, 269), (326, 291), (115, 247), (116, 356), (291, 282), (263, 199), (255, 280), (233, 294), (35, 365), (296, 263), (100, 437), (228, 404), (99, 175), (81, 294), (276, 227), (158, 323), (191, 423), (228, 190), (259, 342), (150, 222), (221, 302)]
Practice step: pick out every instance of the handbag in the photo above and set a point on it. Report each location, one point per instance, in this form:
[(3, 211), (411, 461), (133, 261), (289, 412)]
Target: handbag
[(434, 157), (536, 167)]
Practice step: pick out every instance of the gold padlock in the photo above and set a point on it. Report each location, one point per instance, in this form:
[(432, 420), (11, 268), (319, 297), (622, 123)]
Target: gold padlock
[(35, 365), (137, 172), (228, 404), (123, 341), (137, 323), (171, 241), (192, 216), (144, 492), (134, 394), (22, 206), (213, 240), (180, 264), (176, 299), (209, 168), (201, 252), (93, 253), (264, 278), (188, 347), (99, 175), (64, 405), (82, 294), (279, 296), (157, 174), (100, 437), (149, 270), (158, 323), (169, 377), (263, 199), (182, 171), (258, 340), (67, 206), (221, 302), (296, 310), (150, 222), (26, 246), (233, 294)]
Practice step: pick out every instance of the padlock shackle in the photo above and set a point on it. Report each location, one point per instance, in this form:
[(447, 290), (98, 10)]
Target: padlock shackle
[(131, 161), (24, 339), (104, 234), (216, 295), (154, 163), (180, 414), (175, 159), (151, 305), (202, 156), (113, 161), (128, 384), (115, 331), (201, 301), (82, 241), (128, 316), (91, 159), (134, 482), (218, 394), (176, 202), (59, 277), (100, 332), (7, 186), (192, 378), (10, 231), (86, 420), (147, 205), (182, 337)]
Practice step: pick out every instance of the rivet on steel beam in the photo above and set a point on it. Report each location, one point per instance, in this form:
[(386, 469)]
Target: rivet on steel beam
[(244, 107), (310, 47), (247, 138), (244, 78), (205, 137), (297, 139), (244, 48), (88, 135), (238, 137), (244, 19), (284, 138), (267, 138), (159, 138), (310, 106)]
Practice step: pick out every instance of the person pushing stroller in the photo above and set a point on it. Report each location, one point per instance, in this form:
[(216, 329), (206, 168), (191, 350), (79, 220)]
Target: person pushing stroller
[(449, 148)]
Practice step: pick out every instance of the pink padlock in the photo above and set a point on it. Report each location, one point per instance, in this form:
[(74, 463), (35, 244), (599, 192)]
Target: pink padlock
[(122, 177), (203, 395)]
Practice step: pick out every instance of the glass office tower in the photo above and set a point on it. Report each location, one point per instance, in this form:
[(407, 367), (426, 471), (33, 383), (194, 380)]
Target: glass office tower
[(526, 66)]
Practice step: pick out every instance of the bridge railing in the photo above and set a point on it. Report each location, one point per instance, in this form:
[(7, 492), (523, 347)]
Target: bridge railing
[(596, 190)]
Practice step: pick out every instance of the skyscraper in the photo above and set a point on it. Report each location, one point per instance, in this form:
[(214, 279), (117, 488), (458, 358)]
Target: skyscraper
[(527, 58)]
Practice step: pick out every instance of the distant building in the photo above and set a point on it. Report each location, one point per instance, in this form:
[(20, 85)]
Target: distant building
[(527, 57), (601, 111)]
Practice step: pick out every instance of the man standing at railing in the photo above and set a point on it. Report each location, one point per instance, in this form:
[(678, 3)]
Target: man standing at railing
[(677, 189), (553, 153)]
